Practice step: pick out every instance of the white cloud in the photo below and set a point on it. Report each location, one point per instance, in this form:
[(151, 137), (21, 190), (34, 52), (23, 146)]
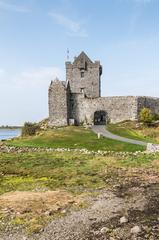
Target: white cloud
[(75, 28), (13, 7), (41, 75), (24, 95), (34, 78)]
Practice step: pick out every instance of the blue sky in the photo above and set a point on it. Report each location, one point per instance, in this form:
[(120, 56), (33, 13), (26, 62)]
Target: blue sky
[(35, 35)]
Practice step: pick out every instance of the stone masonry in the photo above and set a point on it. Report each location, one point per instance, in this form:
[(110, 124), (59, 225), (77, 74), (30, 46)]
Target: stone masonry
[(58, 111), (78, 99), (84, 76)]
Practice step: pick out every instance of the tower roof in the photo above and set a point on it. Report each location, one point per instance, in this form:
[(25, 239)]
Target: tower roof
[(82, 58), (56, 82)]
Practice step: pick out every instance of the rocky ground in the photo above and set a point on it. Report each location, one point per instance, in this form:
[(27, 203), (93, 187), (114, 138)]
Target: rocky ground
[(126, 211)]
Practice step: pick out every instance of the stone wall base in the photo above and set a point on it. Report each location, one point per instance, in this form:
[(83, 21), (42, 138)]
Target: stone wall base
[(151, 148)]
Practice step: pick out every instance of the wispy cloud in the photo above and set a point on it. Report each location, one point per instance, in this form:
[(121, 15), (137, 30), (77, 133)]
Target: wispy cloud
[(13, 7), (41, 75), (74, 28), (37, 77), (27, 93)]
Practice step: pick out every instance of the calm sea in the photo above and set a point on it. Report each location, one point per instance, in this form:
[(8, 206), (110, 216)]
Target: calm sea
[(6, 133)]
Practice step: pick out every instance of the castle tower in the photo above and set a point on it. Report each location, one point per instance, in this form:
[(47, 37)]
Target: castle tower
[(83, 81), (58, 103), (84, 76)]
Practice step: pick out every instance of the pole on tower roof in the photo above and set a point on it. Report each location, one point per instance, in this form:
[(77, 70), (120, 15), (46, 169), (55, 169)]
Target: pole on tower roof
[(68, 53)]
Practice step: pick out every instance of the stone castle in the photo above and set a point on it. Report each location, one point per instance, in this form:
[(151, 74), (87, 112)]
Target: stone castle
[(78, 99)]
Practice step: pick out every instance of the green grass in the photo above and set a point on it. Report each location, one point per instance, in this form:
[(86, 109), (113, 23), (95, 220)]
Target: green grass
[(72, 171), (74, 137), (31, 171), (48, 170), (75, 172), (128, 130)]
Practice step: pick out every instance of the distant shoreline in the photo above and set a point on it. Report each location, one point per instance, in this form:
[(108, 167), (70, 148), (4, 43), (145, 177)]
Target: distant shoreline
[(9, 133), (10, 127)]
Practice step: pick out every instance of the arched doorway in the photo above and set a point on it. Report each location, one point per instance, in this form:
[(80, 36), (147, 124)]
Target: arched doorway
[(100, 118)]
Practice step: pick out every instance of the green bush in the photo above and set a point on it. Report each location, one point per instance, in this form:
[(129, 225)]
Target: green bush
[(155, 117), (30, 129), (146, 116)]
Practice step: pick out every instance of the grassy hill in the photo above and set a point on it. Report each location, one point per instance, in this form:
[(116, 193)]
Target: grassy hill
[(37, 187), (74, 137), (135, 131)]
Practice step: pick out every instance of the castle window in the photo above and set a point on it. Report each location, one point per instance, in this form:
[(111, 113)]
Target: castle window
[(82, 90), (72, 105), (86, 66), (82, 74)]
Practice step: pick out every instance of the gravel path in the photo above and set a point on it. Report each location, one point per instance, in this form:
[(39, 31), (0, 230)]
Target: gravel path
[(126, 213), (104, 132), (76, 225)]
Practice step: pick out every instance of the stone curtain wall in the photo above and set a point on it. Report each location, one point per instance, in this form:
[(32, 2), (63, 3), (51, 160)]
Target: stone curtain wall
[(58, 112), (118, 108), (149, 102), (64, 105)]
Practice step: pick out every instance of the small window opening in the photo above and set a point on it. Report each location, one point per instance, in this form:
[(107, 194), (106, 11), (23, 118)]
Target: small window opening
[(86, 66), (82, 90), (82, 74)]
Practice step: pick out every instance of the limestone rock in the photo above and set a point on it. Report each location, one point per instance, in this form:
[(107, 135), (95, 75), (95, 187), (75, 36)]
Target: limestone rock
[(135, 230), (104, 230), (123, 220)]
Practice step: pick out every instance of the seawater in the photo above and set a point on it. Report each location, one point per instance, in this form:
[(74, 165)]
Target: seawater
[(6, 133)]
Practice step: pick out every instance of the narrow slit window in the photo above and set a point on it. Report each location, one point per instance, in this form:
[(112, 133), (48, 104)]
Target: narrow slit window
[(82, 74)]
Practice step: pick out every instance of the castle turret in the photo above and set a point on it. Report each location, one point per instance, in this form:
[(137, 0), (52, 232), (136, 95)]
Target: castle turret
[(58, 103)]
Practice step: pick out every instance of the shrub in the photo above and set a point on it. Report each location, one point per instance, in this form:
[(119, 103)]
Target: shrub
[(146, 116), (155, 117), (30, 129)]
